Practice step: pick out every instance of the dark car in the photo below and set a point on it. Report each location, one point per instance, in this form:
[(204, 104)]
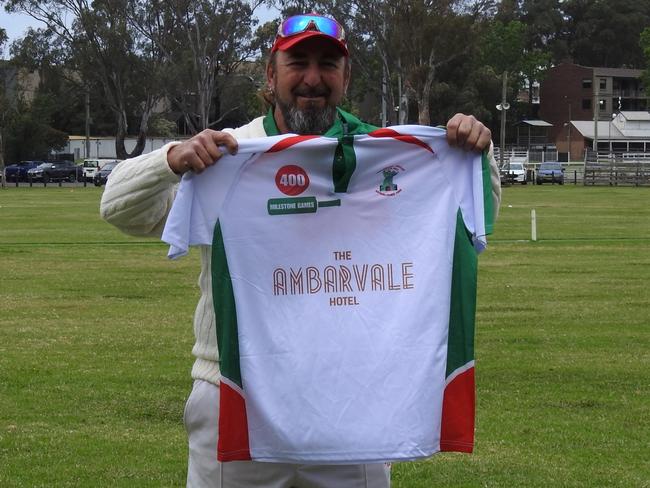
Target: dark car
[(18, 171), (101, 176), (56, 171), (550, 172)]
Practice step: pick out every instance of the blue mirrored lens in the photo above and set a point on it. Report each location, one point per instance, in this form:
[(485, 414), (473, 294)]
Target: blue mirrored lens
[(300, 23)]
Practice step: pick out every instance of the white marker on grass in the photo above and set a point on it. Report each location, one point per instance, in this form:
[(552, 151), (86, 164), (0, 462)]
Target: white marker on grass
[(533, 225)]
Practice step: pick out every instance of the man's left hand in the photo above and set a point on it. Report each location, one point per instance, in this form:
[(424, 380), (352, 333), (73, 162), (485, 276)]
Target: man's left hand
[(468, 133)]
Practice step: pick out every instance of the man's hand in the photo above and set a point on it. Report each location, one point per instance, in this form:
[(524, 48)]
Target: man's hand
[(200, 151), (467, 132)]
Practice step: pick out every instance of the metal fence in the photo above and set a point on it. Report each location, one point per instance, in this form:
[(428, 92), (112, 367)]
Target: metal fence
[(526, 156)]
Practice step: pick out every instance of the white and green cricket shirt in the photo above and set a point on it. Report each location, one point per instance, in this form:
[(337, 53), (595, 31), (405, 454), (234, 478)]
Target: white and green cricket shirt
[(344, 287)]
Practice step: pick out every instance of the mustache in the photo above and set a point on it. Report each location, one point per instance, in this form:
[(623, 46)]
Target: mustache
[(318, 91)]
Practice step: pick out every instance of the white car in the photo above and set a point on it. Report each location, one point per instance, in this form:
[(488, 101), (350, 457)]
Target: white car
[(92, 166), (516, 173)]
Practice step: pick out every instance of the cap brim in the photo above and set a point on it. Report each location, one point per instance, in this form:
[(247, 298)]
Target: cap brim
[(286, 43)]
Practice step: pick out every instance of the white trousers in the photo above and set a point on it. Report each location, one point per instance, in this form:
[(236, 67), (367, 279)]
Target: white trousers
[(204, 471)]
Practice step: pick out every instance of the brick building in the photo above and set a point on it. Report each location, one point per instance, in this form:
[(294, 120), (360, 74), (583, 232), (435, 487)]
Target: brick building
[(569, 93)]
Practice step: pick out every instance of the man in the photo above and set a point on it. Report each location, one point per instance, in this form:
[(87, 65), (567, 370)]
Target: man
[(307, 75)]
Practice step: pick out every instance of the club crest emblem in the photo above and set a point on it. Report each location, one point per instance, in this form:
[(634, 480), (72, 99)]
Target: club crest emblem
[(388, 187)]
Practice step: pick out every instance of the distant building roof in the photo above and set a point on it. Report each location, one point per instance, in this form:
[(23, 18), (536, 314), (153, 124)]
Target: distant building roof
[(640, 115), (609, 131), (613, 72), (536, 123), (618, 72)]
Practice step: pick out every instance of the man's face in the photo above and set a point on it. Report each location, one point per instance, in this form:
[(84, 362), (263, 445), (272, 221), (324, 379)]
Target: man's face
[(309, 81)]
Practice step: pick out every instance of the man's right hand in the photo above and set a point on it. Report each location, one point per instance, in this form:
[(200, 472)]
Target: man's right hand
[(200, 151)]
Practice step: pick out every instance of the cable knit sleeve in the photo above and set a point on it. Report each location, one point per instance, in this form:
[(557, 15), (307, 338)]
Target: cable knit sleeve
[(495, 179), (139, 194), (141, 190)]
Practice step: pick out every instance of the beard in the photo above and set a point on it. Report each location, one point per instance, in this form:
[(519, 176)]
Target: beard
[(311, 120)]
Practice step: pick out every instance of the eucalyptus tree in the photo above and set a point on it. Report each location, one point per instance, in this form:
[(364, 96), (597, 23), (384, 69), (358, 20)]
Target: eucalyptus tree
[(103, 49), (204, 43), (606, 33)]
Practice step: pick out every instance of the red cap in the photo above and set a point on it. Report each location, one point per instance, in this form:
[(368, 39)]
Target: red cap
[(286, 43)]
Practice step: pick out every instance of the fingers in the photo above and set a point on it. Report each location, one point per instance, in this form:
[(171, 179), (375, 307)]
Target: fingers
[(200, 151), (468, 133)]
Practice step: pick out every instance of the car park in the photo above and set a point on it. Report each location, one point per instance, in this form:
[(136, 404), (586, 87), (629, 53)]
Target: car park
[(56, 171), (550, 172), (101, 176), (18, 171)]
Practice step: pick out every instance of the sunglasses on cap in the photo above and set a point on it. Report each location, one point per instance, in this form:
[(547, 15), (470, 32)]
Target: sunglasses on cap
[(302, 23)]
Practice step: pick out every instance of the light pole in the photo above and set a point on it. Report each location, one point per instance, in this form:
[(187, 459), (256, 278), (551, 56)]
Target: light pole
[(568, 135), (87, 152), (502, 107)]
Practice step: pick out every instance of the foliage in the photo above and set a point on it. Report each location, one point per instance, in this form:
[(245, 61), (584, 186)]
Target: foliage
[(644, 42), (193, 58), (203, 43), (162, 127), (29, 132), (606, 33), (3, 39), (95, 334), (102, 49)]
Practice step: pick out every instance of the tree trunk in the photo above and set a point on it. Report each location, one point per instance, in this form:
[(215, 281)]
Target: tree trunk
[(122, 131), (120, 135), (424, 116)]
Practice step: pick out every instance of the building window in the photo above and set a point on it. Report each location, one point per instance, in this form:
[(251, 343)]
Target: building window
[(586, 104), (603, 83), (637, 147), (586, 83), (603, 104)]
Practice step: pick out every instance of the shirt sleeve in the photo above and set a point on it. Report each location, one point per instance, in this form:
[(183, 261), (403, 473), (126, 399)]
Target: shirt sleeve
[(198, 202), (466, 174), (139, 193)]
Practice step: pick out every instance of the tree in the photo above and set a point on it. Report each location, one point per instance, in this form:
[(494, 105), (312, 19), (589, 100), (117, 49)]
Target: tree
[(30, 134), (204, 43), (411, 40), (104, 49), (644, 42), (606, 33), (38, 52)]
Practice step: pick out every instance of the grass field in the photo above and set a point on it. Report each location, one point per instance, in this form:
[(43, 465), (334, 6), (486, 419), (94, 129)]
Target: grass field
[(95, 340)]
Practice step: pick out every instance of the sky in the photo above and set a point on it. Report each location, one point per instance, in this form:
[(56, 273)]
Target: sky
[(16, 24)]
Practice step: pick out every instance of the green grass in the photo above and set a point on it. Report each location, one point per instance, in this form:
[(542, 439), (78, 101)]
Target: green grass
[(95, 340)]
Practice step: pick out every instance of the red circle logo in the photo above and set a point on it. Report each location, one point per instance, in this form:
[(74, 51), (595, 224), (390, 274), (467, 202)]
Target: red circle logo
[(292, 180)]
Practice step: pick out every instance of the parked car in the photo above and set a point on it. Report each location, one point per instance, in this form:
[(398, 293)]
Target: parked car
[(18, 171), (92, 166), (101, 176), (550, 172), (56, 171), (517, 173)]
